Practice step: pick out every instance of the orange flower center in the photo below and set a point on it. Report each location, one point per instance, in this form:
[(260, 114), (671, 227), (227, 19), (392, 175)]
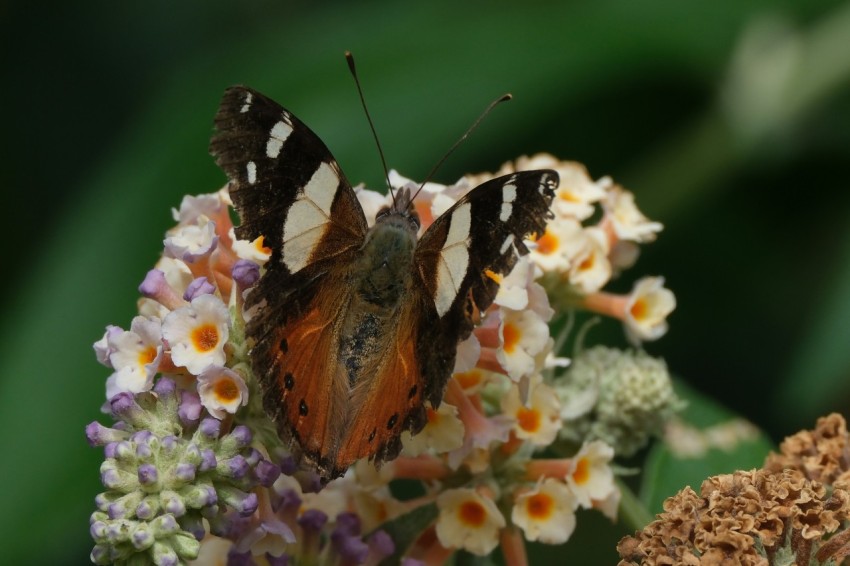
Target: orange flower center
[(528, 419), (547, 243), (587, 263), (472, 513), (433, 416), (639, 309), (468, 379), (147, 355), (226, 390), (540, 506), (205, 337), (510, 337), (582, 473), (260, 244), (567, 195)]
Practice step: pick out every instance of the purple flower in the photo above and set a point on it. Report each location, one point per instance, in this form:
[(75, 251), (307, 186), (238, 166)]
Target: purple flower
[(189, 410), (99, 435), (312, 520), (157, 288), (266, 473), (245, 273), (199, 286)]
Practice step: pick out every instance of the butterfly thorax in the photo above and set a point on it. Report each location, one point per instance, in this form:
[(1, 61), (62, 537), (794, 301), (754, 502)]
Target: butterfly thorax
[(380, 279)]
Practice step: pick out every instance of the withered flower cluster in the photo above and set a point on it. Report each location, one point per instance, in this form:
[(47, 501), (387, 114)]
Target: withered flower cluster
[(793, 511)]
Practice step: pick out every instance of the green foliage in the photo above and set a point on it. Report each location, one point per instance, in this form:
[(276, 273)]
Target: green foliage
[(667, 471)]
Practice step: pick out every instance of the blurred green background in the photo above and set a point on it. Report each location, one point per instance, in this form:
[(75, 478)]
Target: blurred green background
[(729, 120)]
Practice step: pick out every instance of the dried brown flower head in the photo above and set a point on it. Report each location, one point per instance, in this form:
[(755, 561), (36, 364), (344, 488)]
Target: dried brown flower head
[(756, 517), (822, 454)]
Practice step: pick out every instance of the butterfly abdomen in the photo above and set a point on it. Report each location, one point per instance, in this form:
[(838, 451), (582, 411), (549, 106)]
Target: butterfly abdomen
[(380, 282)]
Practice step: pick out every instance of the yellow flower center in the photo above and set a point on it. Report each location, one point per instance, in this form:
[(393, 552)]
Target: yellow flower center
[(567, 195), (587, 263), (472, 513), (147, 355), (205, 337), (468, 379), (528, 419), (582, 473), (639, 309), (510, 337), (226, 390), (540, 506), (548, 243)]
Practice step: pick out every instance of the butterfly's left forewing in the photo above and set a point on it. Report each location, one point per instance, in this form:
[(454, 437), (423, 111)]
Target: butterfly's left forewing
[(288, 188)]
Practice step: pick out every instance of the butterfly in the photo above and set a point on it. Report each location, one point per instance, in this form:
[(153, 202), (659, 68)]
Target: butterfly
[(355, 329)]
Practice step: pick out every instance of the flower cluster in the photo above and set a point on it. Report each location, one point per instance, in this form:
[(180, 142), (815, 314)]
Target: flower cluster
[(620, 397), (194, 468), (794, 510), (594, 236)]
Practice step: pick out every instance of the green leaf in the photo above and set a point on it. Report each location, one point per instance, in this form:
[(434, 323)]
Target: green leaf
[(668, 469)]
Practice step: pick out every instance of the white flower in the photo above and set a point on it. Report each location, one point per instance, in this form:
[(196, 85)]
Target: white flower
[(576, 192), (468, 520), (177, 273), (590, 269), (102, 350), (135, 355), (192, 207), (610, 504), (513, 288), (647, 308), (590, 476), (629, 222), (255, 250), (522, 335), (546, 513), (197, 333), (192, 241), (538, 422), (442, 433), (471, 381), (222, 391), (553, 250)]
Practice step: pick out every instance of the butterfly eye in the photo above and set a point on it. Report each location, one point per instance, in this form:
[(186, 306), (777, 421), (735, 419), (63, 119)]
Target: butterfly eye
[(382, 212), (414, 221)]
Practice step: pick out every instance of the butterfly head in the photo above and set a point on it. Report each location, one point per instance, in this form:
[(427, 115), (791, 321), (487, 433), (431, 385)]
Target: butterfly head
[(400, 212)]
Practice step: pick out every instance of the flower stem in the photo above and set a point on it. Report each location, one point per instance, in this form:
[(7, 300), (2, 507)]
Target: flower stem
[(632, 512)]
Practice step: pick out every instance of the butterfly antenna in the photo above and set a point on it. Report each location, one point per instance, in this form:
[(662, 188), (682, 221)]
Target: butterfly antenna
[(503, 98), (350, 58)]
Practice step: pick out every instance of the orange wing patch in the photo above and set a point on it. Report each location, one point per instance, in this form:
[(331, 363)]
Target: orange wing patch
[(388, 404), (306, 381)]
